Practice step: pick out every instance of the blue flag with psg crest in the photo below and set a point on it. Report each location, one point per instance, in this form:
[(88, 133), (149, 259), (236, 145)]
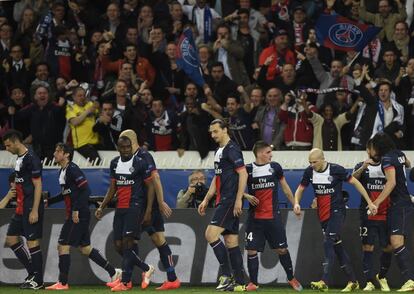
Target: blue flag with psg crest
[(340, 33), (187, 57)]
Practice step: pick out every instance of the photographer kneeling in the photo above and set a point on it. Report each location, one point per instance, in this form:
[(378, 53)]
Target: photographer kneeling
[(194, 194)]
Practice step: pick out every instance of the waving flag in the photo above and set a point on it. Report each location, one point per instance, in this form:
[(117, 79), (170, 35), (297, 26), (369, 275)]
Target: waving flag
[(340, 33), (187, 57)]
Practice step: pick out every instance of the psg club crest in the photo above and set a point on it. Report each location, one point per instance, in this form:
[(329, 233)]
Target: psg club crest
[(271, 170), (345, 34), (188, 53), (131, 169), (330, 178)]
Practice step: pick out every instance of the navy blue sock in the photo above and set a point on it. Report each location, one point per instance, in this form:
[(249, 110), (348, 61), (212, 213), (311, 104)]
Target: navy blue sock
[(221, 254), (344, 261), (64, 265), (23, 256), (37, 262), (385, 263), (253, 267), (329, 259), (96, 257), (127, 265), (137, 260), (236, 260), (286, 262), (404, 262), (367, 265), (167, 261)]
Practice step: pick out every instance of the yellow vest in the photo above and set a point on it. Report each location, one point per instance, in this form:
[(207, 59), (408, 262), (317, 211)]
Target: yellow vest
[(82, 134)]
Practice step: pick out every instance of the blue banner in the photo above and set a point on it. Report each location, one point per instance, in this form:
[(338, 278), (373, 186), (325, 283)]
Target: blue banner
[(187, 57), (340, 33)]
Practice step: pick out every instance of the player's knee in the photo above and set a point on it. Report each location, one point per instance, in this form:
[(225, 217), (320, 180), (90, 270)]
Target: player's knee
[(32, 243), (127, 243), (118, 246), (210, 236), (368, 248), (63, 249), (396, 241), (12, 240), (86, 250), (251, 252), (281, 251), (158, 239), (231, 241)]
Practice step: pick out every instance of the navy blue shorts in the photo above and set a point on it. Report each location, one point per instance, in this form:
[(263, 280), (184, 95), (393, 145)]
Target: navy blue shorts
[(127, 222), (258, 231), (20, 226), (157, 223), (398, 220), (223, 217), (333, 226), (75, 234), (371, 230)]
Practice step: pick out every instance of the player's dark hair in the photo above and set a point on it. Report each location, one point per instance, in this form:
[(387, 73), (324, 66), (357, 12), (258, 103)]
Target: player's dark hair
[(218, 63), (243, 11), (66, 149), (220, 122), (369, 143), (382, 144), (125, 138), (13, 135), (259, 145)]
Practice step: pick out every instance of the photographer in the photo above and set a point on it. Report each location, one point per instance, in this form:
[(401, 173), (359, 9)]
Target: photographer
[(194, 194)]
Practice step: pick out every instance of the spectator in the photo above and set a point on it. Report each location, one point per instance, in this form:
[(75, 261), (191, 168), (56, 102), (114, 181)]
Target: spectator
[(203, 19), (18, 102), (6, 34), (25, 29), (113, 23), (42, 78), (298, 133), (402, 41), (17, 70), (163, 129), (204, 55), (195, 192), (267, 120), (390, 68), (221, 85), (299, 26), (281, 54), (327, 126), (336, 77), (230, 53), (384, 19), (286, 81), (105, 128), (47, 121), (81, 116)]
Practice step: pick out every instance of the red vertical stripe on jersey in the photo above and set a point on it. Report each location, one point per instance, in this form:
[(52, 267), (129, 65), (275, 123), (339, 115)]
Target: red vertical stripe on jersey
[(324, 207), (264, 210), (68, 205), (218, 187), (19, 199), (382, 209), (124, 196)]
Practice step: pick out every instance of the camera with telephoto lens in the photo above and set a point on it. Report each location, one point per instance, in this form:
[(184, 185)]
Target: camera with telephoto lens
[(200, 190)]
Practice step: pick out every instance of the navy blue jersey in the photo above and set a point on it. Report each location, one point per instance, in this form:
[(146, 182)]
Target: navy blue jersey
[(75, 190), (328, 188), (227, 160), (27, 167), (129, 177), (152, 167), (373, 180), (395, 159), (262, 183)]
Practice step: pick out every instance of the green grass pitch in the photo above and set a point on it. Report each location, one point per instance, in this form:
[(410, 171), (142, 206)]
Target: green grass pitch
[(151, 289)]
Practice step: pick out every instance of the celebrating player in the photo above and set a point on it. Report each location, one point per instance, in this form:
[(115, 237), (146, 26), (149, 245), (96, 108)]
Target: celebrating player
[(153, 220), (27, 220), (128, 174), (370, 174), (264, 221), (75, 230), (229, 183), (327, 179), (393, 163)]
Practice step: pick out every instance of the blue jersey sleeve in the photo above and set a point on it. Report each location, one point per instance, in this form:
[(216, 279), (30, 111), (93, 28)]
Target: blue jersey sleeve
[(236, 157), (35, 166), (341, 173), (357, 166), (278, 170), (306, 178), (151, 166), (112, 168), (78, 177), (387, 162), (141, 166)]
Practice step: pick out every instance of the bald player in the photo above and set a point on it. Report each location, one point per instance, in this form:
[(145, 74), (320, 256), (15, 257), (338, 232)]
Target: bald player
[(153, 220), (326, 179)]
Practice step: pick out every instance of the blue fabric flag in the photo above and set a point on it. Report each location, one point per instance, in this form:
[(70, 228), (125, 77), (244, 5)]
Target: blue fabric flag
[(340, 33), (187, 57)]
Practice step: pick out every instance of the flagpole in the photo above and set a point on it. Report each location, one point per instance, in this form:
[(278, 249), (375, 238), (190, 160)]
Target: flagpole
[(353, 59)]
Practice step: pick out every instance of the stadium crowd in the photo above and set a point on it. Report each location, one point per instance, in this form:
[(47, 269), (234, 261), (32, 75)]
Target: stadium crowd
[(83, 71)]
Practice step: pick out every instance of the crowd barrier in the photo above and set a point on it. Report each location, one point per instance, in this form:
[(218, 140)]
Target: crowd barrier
[(194, 259)]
